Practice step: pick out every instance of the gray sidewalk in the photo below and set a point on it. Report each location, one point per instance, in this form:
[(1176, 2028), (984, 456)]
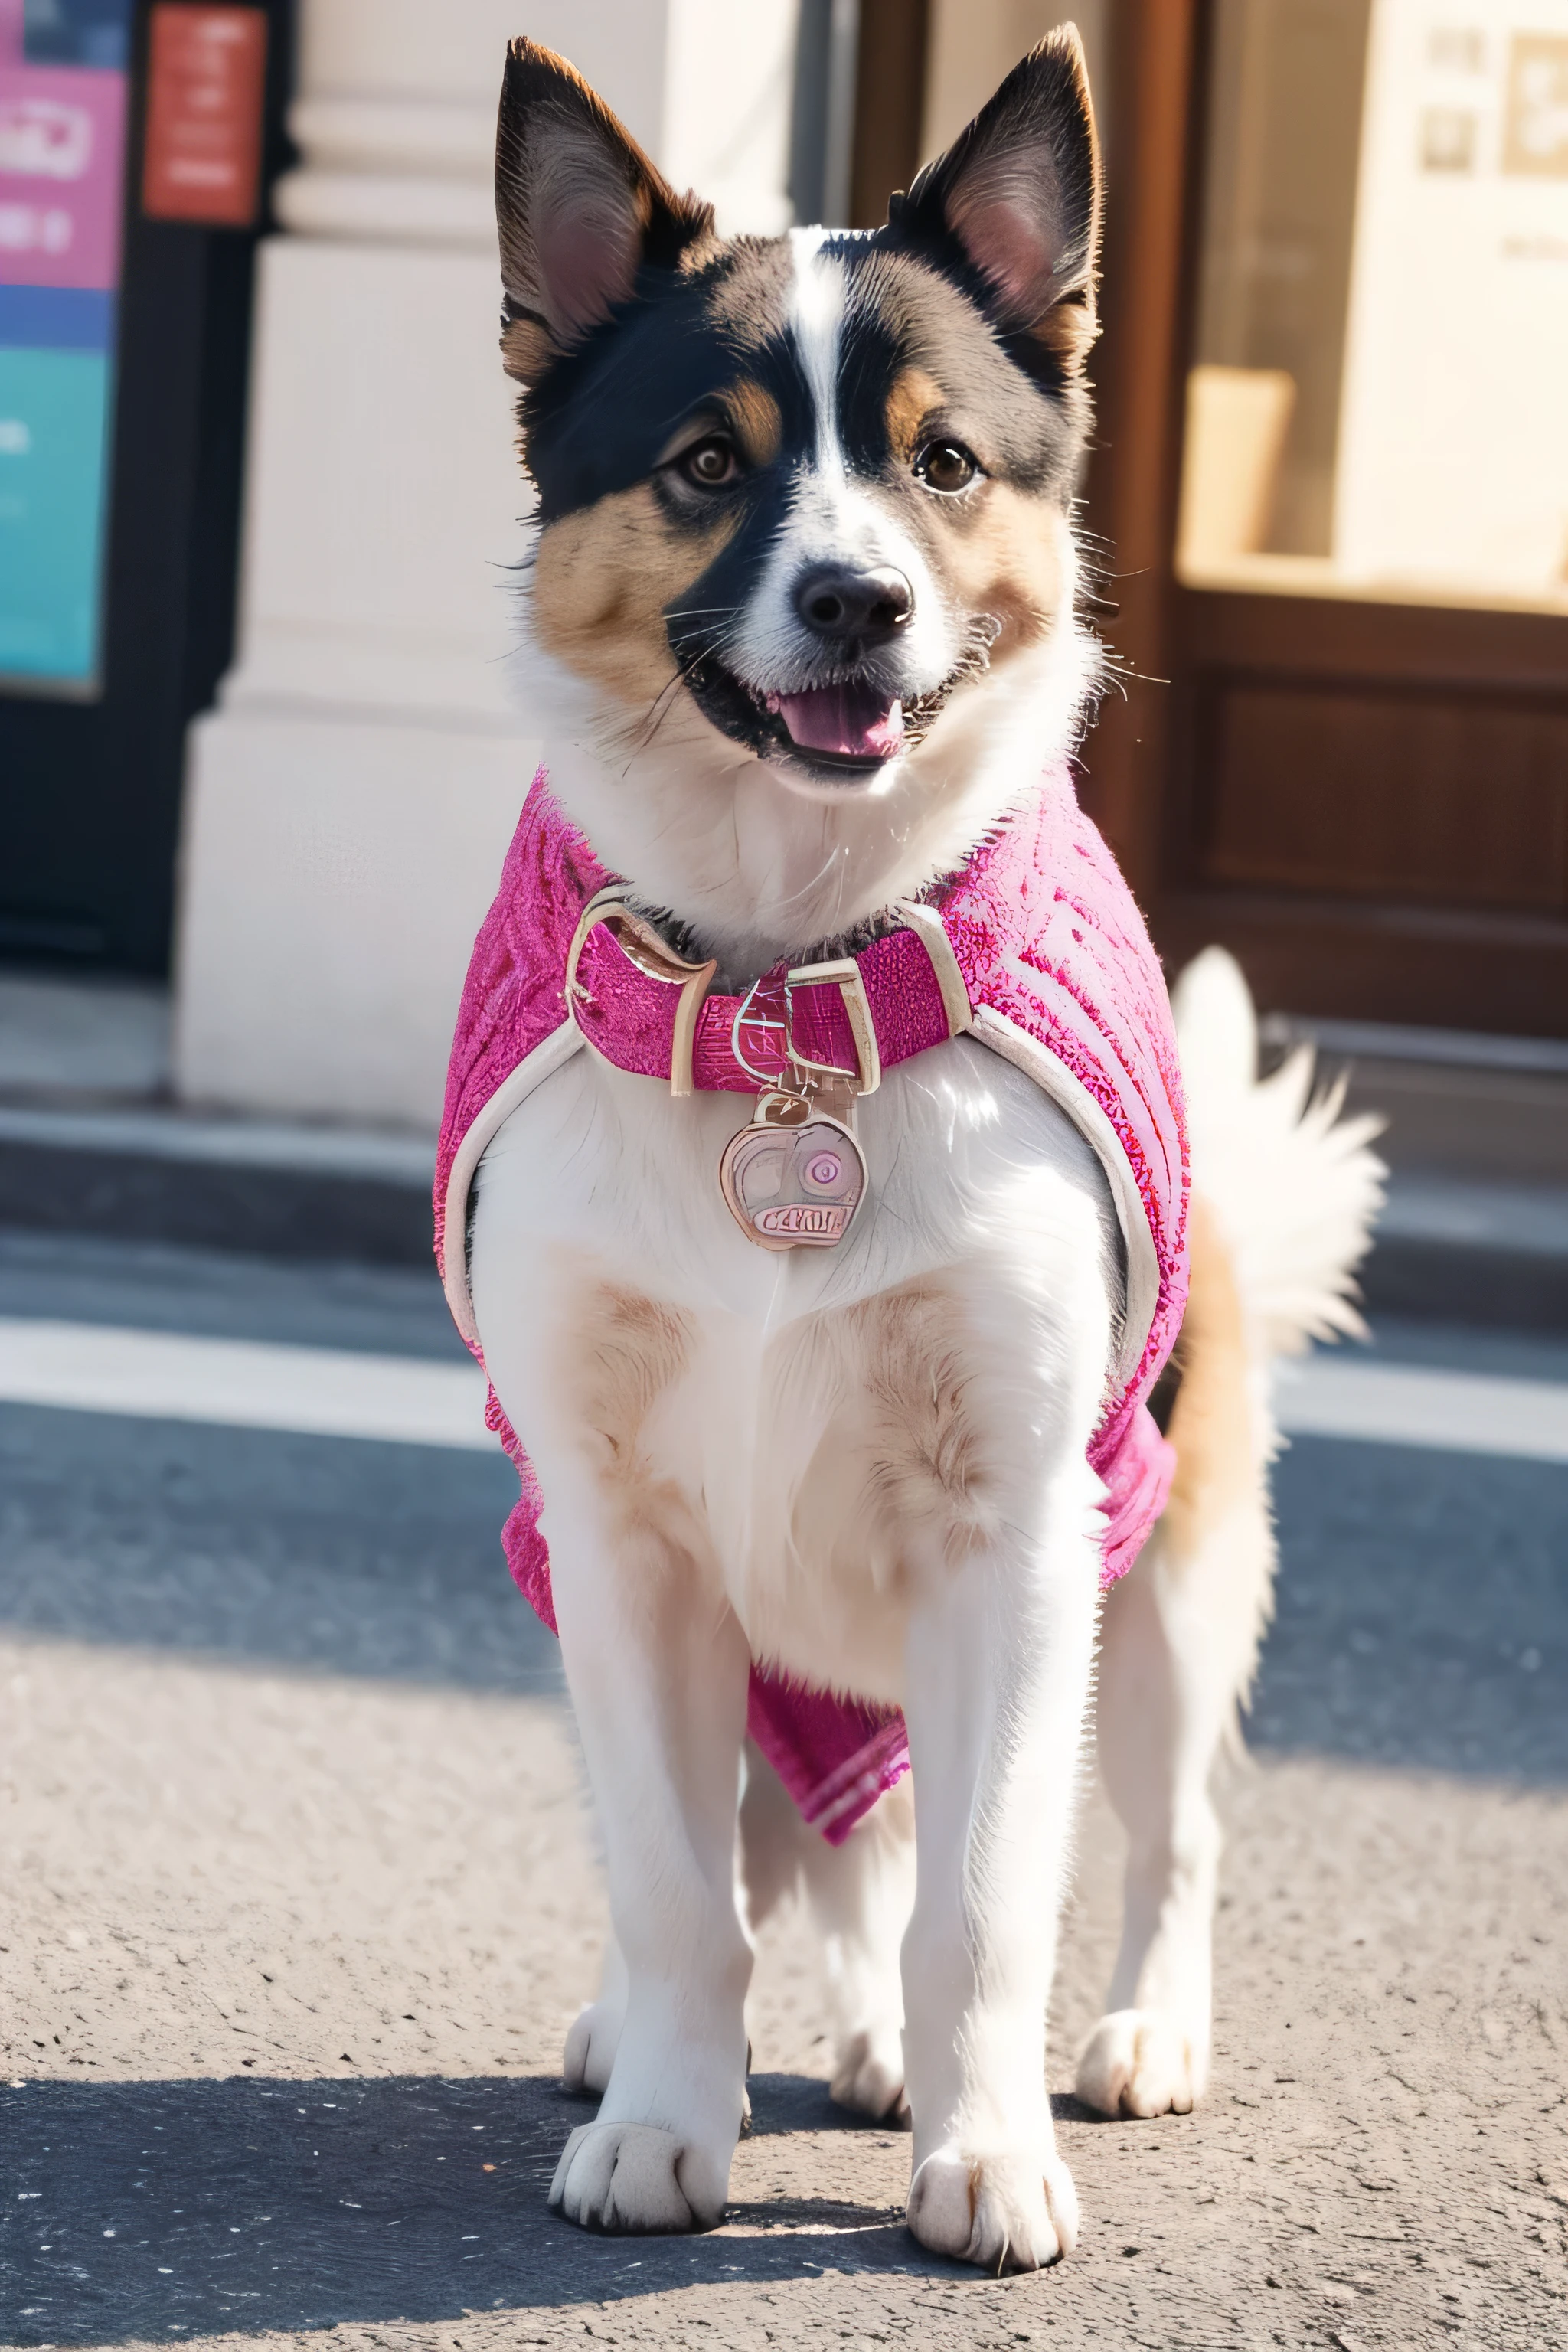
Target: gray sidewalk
[(91, 1142)]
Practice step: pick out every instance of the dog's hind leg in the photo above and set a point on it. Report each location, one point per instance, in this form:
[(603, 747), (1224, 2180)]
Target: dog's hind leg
[(1179, 1644), (1285, 1192), (860, 1893), (594, 2033)]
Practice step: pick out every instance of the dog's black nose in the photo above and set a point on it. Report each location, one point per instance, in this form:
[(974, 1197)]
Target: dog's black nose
[(865, 607)]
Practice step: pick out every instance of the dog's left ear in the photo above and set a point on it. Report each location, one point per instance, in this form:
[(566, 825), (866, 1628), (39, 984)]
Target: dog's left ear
[(1019, 192), (580, 209)]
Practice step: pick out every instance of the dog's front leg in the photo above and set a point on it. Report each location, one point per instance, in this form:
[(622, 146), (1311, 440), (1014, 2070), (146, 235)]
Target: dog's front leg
[(999, 1658), (658, 1667)]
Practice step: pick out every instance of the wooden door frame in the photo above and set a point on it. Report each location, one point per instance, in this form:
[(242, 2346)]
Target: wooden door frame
[(1135, 470), (889, 97), (1176, 647)]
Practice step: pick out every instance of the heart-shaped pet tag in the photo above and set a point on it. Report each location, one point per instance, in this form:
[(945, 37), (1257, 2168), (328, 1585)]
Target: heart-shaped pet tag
[(794, 1187)]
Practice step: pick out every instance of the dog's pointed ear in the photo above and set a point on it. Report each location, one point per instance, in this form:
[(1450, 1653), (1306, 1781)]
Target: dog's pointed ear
[(1019, 192), (580, 209)]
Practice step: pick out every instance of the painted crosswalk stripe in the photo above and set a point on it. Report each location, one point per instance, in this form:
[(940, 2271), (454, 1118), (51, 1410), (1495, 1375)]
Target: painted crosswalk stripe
[(1419, 1405), (242, 1384)]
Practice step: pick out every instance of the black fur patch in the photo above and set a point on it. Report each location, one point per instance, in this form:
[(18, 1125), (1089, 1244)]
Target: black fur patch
[(599, 419)]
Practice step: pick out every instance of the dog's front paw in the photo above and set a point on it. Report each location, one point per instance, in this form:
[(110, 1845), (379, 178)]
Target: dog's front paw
[(868, 2078), (637, 2177), (1137, 2061), (1009, 2211), (591, 2041)]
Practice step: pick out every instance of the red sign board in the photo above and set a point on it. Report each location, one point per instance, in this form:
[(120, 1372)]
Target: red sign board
[(206, 72)]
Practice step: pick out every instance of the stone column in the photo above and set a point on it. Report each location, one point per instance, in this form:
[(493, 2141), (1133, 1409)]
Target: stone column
[(350, 800)]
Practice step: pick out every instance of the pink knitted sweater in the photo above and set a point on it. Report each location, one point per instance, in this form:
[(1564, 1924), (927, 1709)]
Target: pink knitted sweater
[(1061, 978)]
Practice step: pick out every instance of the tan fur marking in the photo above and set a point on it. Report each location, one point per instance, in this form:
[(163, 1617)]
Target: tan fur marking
[(619, 1355), (1211, 1425), (706, 242), (759, 428), (913, 398), (1002, 556), (928, 1457), (526, 349), (601, 582), (625, 1349), (1069, 330)]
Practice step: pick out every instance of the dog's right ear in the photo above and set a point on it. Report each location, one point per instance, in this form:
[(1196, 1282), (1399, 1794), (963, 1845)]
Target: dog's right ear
[(580, 209)]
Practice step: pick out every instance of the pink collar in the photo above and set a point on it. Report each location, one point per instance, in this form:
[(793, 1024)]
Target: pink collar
[(647, 1011)]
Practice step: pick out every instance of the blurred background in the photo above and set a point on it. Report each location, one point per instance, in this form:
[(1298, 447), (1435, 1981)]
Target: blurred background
[(259, 760), (260, 753), (259, 495)]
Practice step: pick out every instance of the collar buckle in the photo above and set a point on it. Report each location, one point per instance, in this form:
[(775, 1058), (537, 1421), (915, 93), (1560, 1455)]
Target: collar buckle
[(845, 973), (656, 960)]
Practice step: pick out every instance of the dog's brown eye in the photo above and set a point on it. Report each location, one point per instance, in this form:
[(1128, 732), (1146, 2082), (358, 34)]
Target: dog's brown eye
[(709, 464), (946, 466)]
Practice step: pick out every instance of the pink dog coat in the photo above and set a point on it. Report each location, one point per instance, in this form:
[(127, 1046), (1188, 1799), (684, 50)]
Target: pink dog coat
[(1041, 935)]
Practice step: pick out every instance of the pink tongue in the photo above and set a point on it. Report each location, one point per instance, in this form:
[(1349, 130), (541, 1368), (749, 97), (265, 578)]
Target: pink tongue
[(855, 721)]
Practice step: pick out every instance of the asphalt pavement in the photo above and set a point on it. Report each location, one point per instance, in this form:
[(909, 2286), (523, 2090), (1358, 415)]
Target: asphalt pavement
[(296, 1893)]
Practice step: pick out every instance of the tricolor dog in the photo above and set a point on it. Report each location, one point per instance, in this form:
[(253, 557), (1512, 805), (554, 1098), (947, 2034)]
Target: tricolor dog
[(813, 1178)]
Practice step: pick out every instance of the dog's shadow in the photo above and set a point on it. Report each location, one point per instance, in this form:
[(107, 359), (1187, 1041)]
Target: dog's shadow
[(193, 2207)]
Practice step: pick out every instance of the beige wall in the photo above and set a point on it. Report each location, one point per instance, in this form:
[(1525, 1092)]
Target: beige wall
[(974, 43)]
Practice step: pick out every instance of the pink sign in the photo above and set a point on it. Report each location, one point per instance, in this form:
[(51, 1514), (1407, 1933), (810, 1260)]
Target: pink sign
[(62, 141)]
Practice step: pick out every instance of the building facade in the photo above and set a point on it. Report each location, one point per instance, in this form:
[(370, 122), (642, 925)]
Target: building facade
[(284, 749)]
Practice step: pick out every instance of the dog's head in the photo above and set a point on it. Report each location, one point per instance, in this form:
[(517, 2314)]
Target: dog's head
[(801, 500)]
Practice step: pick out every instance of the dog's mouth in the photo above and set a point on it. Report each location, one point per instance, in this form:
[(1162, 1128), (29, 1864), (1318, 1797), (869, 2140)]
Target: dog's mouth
[(855, 723), (847, 730)]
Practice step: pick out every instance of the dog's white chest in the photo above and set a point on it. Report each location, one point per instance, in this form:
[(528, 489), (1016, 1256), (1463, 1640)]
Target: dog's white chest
[(776, 1402), (612, 1170)]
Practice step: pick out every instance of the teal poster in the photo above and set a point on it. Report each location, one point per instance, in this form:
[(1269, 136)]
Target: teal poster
[(53, 414)]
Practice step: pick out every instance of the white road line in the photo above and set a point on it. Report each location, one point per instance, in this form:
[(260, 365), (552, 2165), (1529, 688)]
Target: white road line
[(337, 1393), (244, 1383), (1415, 1404), (228, 1142)]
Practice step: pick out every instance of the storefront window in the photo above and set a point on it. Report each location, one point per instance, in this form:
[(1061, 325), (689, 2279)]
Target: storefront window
[(1379, 403), (62, 132)]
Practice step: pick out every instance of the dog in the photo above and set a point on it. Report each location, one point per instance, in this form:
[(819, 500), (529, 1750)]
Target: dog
[(811, 1408)]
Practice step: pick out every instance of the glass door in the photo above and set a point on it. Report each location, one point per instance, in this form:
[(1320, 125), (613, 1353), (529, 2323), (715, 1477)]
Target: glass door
[(1334, 472), (1378, 405)]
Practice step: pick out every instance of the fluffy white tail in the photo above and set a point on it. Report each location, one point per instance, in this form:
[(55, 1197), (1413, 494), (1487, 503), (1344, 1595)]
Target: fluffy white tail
[(1293, 1186)]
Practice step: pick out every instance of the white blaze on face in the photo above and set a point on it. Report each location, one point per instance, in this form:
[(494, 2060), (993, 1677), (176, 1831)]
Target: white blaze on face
[(817, 295), (833, 517)]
